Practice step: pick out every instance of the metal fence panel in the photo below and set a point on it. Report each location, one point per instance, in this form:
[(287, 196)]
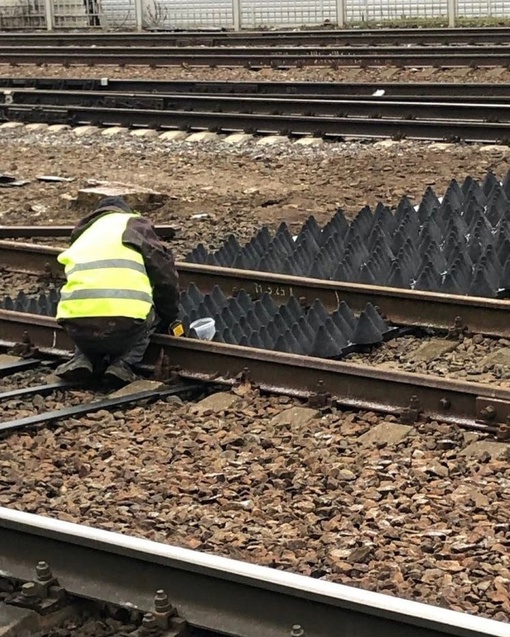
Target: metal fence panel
[(188, 14), (364, 10), (22, 14), (483, 8), (258, 13), (115, 14)]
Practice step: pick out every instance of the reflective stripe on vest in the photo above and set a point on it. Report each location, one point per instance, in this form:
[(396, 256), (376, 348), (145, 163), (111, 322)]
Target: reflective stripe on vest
[(104, 277)]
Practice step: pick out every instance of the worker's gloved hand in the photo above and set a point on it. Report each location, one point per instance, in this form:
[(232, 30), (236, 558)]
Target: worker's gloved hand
[(176, 328)]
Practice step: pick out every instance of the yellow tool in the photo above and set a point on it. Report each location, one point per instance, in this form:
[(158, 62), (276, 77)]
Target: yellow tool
[(176, 329)]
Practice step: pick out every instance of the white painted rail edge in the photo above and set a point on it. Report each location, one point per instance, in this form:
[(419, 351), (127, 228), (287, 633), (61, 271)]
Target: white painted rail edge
[(455, 623)]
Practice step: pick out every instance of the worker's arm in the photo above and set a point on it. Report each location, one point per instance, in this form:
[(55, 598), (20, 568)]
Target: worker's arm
[(160, 266)]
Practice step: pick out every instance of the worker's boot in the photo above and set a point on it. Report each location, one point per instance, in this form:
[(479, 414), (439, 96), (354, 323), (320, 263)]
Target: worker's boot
[(78, 369), (119, 373)]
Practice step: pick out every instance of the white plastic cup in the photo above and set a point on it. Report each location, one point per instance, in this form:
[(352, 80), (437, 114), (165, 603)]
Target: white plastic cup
[(205, 328)]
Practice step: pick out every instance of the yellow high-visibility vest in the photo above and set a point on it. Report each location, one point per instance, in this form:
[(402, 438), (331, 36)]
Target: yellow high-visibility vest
[(104, 277)]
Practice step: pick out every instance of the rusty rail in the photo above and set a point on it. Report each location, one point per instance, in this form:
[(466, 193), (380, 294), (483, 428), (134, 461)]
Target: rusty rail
[(17, 232), (402, 307), (351, 385), (283, 57)]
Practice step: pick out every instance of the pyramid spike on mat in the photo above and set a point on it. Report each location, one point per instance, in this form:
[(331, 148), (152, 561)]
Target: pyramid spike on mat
[(228, 318), (505, 185), (306, 329), (255, 340), (497, 206), (317, 308), (324, 346), (294, 308), (343, 325), (212, 260), (363, 221), (404, 208), (340, 222), (306, 241), (269, 304), (228, 336), (431, 229), (218, 296), (453, 197), (462, 272), (397, 278), (366, 276), (241, 261), (197, 255), (476, 249), (379, 265), (503, 251), (450, 285), (244, 300), (468, 184), (428, 203), (428, 279), (218, 337), (322, 267), (489, 182), (336, 334), (504, 280), (305, 343), (347, 314), (366, 333), (343, 272), (262, 314), (271, 261), (287, 316), (376, 318), (312, 227), (481, 285), (384, 216)]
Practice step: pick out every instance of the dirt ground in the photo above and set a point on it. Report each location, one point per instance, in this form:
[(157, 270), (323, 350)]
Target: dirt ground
[(237, 188)]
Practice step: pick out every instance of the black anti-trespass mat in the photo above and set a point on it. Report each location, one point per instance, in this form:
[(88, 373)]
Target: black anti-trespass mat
[(459, 244), (261, 323)]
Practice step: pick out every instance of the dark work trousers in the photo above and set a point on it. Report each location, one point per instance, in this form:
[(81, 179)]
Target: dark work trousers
[(112, 338)]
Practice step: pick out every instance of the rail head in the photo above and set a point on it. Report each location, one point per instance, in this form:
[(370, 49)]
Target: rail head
[(216, 592)]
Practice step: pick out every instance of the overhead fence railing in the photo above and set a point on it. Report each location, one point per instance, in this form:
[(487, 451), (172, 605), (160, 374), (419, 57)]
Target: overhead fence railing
[(236, 14)]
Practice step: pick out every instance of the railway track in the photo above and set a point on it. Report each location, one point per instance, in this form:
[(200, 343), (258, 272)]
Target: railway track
[(402, 307), (374, 37), (349, 384), (255, 57), (409, 108), (174, 591), (425, 91), (454, 120)]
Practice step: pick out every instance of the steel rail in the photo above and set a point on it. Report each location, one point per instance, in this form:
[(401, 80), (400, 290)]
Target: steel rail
[(255, 58), (96, 405), (443, 36), (351, 385), (215, 593), (402, 307), (6, 369), (374, 108), (294, 125), (14, 232), (41, 390), (328, 90)]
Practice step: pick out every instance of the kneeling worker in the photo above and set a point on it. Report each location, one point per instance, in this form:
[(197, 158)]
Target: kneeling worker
[(121, 282)]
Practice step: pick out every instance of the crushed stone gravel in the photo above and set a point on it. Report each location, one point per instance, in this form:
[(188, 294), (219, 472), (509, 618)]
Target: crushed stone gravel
[(305, 74), (415, 518)]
